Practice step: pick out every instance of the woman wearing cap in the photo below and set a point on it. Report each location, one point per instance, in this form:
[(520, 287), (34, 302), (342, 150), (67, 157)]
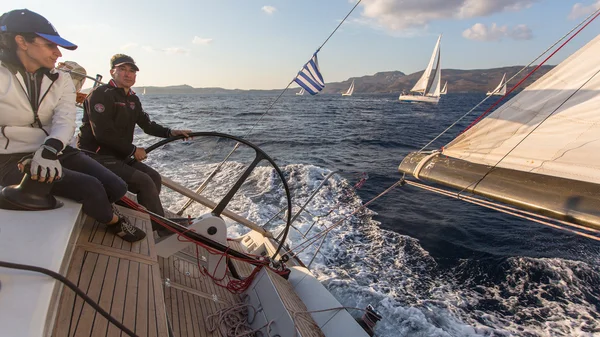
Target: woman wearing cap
[(38, 121)]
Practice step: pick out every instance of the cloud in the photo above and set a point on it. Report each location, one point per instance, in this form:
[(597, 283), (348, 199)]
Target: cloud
[(130, 45), (201, 41), (481, 32), (398, 15), (269, 9), (579, 10)]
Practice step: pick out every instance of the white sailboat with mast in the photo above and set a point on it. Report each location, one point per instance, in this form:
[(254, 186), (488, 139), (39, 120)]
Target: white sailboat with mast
[(500, 89), (301, 92), (444, 89), (428, 87), (350, 90), (534, 152)]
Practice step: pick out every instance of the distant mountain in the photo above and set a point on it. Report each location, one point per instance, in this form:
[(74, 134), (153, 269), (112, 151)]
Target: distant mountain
[(459, 81)]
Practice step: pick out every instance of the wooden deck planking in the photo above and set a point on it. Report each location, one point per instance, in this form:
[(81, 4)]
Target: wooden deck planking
[(128, 280), (195, 295), (123, 278), (106, 299)]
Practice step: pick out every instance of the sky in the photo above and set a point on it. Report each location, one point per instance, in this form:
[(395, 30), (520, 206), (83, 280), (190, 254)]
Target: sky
[(262, 44)]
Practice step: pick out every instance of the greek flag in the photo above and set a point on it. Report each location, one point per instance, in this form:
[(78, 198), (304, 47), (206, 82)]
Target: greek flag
[(310, 77)]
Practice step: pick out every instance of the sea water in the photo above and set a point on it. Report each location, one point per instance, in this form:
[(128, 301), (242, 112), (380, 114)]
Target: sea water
[(430, 265)]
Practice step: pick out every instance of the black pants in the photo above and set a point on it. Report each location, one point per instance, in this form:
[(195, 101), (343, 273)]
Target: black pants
[(141, 180), (83, 180)]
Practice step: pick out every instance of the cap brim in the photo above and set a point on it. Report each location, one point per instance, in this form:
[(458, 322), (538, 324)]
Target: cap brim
[(59, 41), (131, 64)]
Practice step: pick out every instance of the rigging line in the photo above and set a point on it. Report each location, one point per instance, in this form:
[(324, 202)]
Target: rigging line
[(512, 209), (501, 209), (292, 81), (528, 134), (530, 73), (314, 238), (189, 202), (510, 79)]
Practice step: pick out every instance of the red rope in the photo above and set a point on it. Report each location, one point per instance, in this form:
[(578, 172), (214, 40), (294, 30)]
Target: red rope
[(233, 285), (528, 75)]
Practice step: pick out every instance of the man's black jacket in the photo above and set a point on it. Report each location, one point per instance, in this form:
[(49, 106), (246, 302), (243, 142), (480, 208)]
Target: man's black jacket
[(109, 120)]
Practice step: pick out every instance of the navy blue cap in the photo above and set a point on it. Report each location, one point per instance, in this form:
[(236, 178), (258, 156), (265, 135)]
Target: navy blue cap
[(120, 59), (26, 21)]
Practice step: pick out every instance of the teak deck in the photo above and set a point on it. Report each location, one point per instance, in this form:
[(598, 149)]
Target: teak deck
[(128, 280), (151, 295)]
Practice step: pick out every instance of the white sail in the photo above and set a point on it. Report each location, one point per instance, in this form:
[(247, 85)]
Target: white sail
[(436, 85), (301, 92), (444, 89), (144, 92), (500, 89), (423, 82), (550, 128), (350, 90)]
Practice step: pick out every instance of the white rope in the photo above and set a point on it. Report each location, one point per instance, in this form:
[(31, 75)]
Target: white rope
[(510, 79), (234, 321), (513, 211)]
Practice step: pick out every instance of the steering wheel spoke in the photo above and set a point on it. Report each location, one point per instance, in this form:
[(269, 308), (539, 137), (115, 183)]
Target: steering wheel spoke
[(260, 156)]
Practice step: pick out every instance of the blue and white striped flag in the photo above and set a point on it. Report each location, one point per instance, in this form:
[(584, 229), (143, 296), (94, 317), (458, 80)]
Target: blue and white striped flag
[(310, 77)]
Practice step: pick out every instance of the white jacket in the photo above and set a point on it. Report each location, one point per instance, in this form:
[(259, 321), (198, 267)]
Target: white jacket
[(56, 112)]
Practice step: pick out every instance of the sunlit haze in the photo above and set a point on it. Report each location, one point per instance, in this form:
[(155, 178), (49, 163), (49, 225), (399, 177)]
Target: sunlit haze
[(248, 44)]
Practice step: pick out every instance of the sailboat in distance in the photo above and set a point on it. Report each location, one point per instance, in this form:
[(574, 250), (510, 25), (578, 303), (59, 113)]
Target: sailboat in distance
[(444, 89), (428, 87), (350, 90), (144, 91), (301, 92), (500, 89)]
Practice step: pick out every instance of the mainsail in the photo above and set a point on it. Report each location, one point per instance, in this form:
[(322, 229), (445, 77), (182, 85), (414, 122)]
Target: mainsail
[(500, 89), (430, 82), (537, 151), (350, 90)]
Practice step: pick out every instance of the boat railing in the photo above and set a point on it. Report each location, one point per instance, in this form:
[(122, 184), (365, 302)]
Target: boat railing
[(302, 210)]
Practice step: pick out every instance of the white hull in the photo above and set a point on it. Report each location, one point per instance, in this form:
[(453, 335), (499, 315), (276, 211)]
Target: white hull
[(418, 98)]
